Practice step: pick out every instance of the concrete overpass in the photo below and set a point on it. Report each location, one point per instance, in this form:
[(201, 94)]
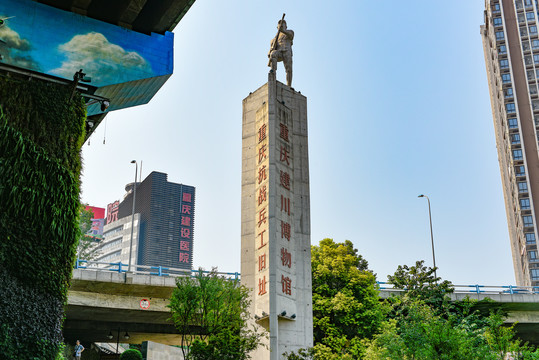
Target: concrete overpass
[(100, 302)]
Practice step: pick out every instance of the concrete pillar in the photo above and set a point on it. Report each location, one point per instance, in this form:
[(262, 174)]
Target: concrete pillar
[(276, 244)]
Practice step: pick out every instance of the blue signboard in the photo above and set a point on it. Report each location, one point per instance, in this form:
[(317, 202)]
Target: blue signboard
[(127, 67)]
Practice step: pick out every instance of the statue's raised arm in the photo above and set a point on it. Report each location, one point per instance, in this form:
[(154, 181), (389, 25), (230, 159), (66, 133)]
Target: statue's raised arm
[(281, 50)]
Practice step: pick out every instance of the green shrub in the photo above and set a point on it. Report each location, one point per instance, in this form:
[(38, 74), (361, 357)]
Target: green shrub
[(131, 354)]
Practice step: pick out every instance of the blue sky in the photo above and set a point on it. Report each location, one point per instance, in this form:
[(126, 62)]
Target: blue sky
[(398, 105)]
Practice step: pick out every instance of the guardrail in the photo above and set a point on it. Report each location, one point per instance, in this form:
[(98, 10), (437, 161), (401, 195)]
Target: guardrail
[(144, 269), (476, 289)]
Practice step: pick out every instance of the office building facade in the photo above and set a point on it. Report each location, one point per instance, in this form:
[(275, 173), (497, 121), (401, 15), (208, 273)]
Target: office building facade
[(164, 224), (511, 48)]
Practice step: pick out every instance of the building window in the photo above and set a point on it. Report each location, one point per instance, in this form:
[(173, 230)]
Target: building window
[(506, 78), (504, 64), (517, 154), (497, 21), (530, 74), (496, 8), (535, 274), (530, 238), (523, 31), (527, 220), (535, 104), (510, 107), (528, 60), (499, 35), (508, 93), (536, 58), (522, 187), (503, 49), (515, 138), (533, 89), (521, 18), (533, 30), (513, 123), (532, 255), (525, 204), (530, 16), (520, 171)]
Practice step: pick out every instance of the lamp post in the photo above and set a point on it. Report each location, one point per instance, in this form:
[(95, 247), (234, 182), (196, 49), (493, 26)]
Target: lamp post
[(133, 214), (431, 236), (126, 337)]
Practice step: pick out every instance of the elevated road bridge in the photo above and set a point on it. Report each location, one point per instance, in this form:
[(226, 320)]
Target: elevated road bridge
[(104, 299)]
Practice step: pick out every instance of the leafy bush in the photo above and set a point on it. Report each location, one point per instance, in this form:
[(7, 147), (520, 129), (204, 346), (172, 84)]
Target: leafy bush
[(131, 354)]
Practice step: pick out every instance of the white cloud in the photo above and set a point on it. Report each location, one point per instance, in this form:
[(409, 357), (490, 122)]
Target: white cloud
[(13, 48), (13, 40), (103, 61)]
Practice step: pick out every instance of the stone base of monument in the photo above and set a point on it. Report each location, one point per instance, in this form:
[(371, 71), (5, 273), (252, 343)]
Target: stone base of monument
[(276, 246)]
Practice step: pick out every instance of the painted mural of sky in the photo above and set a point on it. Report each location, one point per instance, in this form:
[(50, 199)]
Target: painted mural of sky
[(44, 39)]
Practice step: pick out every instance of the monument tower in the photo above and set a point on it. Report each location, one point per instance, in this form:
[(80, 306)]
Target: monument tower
[(275, 207)]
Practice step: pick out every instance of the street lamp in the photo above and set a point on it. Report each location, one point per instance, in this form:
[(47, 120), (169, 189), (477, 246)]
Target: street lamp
[(431, 236), (126, 337), (133, 214)]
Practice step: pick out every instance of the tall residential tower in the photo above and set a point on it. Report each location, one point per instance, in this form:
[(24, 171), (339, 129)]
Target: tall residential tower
[(511, 46)]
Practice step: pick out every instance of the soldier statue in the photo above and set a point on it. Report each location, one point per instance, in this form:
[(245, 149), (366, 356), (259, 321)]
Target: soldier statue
[(281, 50)]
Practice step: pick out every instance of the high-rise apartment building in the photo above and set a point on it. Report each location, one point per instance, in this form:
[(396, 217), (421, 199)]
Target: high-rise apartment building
[(511, 46), (163, 225)]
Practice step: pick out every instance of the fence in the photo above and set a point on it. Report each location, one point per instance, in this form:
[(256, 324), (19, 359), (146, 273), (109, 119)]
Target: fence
[(476, 289), (145, 270)]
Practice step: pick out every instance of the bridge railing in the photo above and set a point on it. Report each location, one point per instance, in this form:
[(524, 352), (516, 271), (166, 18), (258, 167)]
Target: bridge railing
[(476, 289), (144, 269)]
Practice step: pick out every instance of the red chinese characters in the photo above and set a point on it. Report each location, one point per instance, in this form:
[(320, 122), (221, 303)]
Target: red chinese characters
[(262, 285), (262, 217), (185, 221), (262, 133), (262, 243), (262, 196), (285, 230), (286, 285), (283, 133), (262, 262), (285, 180), (184, 257), (185, 227), (285, 204), (185, 233), (262, 174), (286, 258), (186, 209), (262, 153)]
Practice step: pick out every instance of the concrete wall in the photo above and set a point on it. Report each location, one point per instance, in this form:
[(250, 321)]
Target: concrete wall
[(155, 351)]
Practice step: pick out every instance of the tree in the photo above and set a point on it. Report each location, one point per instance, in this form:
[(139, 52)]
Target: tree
[(346, 305), (425, 324), (211, 314), (86, 248), (420, 283)]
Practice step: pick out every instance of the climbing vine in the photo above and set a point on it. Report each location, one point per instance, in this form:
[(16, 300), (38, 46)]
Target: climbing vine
[(41, 133)]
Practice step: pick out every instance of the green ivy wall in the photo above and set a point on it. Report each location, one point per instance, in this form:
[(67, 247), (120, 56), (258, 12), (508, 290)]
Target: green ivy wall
[(41, 134)]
